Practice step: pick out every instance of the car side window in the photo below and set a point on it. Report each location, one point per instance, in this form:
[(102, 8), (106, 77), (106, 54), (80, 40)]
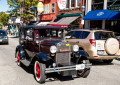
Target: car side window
[(74, 35), (77, 34), (84, 34), (2, 33)]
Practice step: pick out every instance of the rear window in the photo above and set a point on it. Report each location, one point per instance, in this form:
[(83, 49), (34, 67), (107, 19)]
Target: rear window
[(103, 35), (77, 34)]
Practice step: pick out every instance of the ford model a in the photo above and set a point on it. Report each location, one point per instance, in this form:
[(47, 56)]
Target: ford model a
[(45, 48)]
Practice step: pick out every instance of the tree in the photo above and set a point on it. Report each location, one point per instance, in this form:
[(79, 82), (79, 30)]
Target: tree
[(4, 18), (18, 5)]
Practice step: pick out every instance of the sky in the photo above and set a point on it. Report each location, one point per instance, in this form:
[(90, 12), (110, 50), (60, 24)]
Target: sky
[(4, 6)]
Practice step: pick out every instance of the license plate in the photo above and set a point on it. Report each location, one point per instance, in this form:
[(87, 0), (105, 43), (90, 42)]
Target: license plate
[(80, 67)]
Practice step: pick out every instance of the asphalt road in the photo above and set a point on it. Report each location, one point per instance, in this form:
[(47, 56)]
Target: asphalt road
[(11, 74)]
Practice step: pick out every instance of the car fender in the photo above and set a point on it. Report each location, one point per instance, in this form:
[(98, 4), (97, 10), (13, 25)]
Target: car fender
[(43, 58), (20, 49), (81, 55)]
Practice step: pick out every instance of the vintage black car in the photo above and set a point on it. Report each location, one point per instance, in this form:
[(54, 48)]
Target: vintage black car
[(45, 48), (3, 37)]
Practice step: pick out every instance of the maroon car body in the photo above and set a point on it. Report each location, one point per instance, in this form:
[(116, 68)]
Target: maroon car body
[(45, 48)]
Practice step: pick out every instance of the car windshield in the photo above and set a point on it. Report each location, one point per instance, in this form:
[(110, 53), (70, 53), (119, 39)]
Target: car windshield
[(48, 33), (2, 32), (103, 35)]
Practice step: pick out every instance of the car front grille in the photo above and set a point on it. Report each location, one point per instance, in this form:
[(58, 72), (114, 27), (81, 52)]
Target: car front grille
[(63, 54)]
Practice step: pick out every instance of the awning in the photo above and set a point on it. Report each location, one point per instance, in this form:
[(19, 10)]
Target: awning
[(42, 23), (102, 15), (64, 20)]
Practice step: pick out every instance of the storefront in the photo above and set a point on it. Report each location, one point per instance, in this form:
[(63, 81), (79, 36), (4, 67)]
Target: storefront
[(70, 14), (111, 16), (13, 26), (67, 20), (47, 11)]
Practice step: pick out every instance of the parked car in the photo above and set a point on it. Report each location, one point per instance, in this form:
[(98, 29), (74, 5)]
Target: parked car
[(3, 37), (45, 48), (98, 44)]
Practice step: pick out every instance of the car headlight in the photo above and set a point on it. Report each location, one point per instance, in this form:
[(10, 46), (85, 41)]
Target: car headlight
[(75, 48), (53, 49)]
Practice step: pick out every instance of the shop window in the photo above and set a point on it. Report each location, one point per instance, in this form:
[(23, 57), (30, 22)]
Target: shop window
[(78, 3), (67, 3), (53, 7), (72, 3)]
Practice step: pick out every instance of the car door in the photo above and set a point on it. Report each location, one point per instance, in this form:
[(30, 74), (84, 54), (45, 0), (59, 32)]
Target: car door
[(30, 43), (79, 38)]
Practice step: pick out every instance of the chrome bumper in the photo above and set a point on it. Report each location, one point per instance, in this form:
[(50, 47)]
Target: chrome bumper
[(66, 68)]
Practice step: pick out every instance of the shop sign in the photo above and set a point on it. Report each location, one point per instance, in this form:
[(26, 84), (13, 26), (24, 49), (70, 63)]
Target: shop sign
[(61, 4), (114, 8), (40, 7)]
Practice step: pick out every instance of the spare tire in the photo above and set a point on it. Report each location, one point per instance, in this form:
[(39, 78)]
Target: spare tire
[(112, 46)]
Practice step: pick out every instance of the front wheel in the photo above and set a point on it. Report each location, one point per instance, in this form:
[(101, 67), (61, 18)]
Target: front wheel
[(108, 61), (39, 72), (85, 72)]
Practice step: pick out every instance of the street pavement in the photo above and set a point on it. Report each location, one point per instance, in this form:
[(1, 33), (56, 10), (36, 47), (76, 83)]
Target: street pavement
[(11, 74)]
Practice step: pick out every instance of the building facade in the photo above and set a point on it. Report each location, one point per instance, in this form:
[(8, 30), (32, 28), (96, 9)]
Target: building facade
[(110, 5), (74, 7), (50, 11), (64, 13)]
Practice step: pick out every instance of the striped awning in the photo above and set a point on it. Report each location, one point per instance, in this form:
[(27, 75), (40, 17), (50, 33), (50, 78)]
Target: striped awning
[(63, 21)]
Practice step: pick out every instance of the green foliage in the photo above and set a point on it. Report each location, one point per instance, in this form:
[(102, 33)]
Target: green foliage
[(0, 26), (4, 18), (18, 4)]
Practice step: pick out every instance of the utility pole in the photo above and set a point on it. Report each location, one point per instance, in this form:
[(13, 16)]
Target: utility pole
[(88, 8), (104, 7)]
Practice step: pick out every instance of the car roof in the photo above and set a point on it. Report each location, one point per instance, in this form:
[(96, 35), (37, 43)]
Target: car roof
[(42, 27), (91, 30)]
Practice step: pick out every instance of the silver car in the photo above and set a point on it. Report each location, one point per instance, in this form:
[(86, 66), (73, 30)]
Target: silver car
[(3, 37)]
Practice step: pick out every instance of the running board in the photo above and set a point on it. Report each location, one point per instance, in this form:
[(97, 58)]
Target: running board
[(25, 62)]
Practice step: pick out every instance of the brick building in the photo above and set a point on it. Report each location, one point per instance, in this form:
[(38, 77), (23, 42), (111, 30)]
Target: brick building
[(70, 16)]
